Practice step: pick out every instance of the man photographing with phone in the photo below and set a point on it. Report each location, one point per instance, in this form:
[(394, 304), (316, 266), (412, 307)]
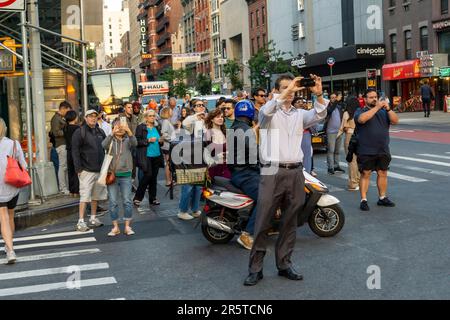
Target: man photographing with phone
[(282, 127), (372, 124)]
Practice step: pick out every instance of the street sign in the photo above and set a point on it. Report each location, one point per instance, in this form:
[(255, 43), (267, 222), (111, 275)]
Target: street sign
[(331, 61), (7, 59), (186, 57), (12, 5), (444, 72)]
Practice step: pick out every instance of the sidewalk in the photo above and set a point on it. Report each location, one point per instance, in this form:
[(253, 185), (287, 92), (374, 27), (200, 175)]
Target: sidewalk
[(437, 117)]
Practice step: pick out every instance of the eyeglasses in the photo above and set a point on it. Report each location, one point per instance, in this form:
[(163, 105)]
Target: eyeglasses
[(200, 105), (226, 108)]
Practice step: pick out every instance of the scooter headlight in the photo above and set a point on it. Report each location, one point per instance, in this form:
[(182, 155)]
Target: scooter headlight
[(207, 193)]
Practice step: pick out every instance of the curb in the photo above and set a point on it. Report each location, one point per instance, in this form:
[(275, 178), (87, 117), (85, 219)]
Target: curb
[(44, 216)]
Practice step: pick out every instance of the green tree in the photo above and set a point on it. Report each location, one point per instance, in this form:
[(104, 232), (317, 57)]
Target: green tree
[(204, 84), (266, 62), (232, 69), (177, 81)]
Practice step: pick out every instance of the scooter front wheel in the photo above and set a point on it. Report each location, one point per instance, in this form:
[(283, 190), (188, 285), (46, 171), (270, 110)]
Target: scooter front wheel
[(327, 221), (216, 236)]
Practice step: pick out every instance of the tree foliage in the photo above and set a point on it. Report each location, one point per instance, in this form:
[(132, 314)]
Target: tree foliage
[(177, 81), (266, 62), (204, 84), (232, 69)]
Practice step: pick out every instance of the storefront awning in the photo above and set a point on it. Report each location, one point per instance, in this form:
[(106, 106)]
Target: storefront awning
[(402, 70)]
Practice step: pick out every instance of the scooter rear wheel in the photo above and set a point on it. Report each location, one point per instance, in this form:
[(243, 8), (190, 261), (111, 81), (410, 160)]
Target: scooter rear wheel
[(327, 222), (216, 236)]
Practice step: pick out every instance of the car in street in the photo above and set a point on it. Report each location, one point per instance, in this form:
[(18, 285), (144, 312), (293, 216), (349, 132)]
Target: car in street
[(319, 138)]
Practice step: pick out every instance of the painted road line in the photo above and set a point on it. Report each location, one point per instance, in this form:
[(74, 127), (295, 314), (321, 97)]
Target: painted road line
[(420, 169), (56, 255), (397, 175), (434, 156), (56, 286), (436, 163), (52, 271), (53, 243), (51, 236)]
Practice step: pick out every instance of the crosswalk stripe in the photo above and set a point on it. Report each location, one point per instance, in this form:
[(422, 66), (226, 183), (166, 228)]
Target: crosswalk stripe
[(51, 271), (55, 255), (53, 243), (437, 163), (423, 170), (55, 286), (434, 156), (395, 175), (51, 236)]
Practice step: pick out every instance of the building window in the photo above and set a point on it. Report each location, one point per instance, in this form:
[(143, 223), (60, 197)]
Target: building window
[(394, 48), (408, 45), (258, 42), (424, 39), (257, 18), (391, 3), (444, 6), (263, 12), (253, 46), (251, 20)]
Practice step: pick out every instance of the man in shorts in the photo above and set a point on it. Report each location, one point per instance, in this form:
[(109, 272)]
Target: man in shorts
[(88, 155), (372, 125)]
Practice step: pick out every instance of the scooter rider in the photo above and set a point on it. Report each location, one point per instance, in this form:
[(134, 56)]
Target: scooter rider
[(244, 164)]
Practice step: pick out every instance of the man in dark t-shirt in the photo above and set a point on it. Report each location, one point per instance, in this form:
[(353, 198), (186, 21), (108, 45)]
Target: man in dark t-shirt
[(372, 125)]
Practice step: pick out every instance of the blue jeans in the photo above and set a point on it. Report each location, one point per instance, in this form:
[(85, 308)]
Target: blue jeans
[(248, 181), (334, 147), (307, 151), (190, 196), (121, 186)]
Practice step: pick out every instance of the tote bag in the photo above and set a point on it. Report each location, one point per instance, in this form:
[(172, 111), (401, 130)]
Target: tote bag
[(15, 175), (105, 167)]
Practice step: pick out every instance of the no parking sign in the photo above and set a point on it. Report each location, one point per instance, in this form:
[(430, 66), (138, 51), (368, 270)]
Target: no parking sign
[(12, 5)]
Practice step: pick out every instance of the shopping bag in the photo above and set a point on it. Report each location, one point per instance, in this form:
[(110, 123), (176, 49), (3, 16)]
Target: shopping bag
[(105, 168), (15, 175)]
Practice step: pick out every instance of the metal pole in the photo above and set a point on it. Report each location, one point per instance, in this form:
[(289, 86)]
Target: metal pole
[(85, 66), (23, 18), (331, 76), (38, 86)]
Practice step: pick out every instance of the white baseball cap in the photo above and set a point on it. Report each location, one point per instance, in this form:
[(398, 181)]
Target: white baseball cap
[(91, 111)]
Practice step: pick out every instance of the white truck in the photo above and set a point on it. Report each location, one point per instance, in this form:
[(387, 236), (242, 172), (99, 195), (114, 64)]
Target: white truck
[(152, 90)]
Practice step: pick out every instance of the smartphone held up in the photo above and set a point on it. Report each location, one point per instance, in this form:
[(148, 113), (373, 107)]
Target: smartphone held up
[(306, 83)]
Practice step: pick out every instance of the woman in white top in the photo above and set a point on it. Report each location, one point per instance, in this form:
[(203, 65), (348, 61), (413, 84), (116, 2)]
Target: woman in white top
[(167, 132), (9, 195)]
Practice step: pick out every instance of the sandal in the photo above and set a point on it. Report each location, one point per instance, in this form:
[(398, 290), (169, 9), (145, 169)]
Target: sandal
[(114, 233), (129, 232)]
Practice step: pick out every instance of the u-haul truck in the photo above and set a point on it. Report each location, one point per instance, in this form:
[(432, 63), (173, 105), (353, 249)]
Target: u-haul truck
[(153, 90)]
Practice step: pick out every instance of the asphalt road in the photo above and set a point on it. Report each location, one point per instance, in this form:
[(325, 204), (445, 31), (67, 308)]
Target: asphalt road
[(169, 259)]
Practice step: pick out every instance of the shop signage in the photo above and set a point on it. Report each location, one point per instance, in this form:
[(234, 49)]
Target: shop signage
[(299, 62), (143, 29), (371, 75), (186, 58), (12, 5), (370, 51), (426, 66), (146, 56), (444, 72), (154, 87), (403, 70), (441, 25)]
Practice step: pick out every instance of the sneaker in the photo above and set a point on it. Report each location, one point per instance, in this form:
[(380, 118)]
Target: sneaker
[(353, 189), (246, 240), (314, 174), (11, 257), (185, 216), (136, 203), (339, 169), (364, 206), (95, 223), (82, 227), (65, 192), (197, 214), (386, 203), (330, 171)]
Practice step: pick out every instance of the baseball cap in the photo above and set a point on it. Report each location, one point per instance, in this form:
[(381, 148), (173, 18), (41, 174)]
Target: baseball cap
[(91, 111)]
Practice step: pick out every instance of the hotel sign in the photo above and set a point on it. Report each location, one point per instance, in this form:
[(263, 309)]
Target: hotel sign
[(143, 30)]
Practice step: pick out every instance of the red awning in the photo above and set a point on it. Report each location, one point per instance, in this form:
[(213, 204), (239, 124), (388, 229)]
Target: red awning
[(402, 70)]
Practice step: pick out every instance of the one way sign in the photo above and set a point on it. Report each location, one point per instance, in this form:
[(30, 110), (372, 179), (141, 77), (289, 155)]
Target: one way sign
[(12, 5)]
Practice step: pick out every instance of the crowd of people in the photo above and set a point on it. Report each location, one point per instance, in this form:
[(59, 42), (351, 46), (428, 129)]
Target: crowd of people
[(137, 144)]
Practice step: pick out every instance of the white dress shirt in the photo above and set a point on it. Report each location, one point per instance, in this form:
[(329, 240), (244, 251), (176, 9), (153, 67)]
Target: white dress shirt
[(107, 128), (282, 131)]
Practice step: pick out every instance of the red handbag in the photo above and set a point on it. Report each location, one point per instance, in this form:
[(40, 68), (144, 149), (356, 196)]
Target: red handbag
[(15, 175)]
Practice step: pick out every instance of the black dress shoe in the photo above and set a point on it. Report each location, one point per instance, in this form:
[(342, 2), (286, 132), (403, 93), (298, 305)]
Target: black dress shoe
[(253, 279), (290, 274)]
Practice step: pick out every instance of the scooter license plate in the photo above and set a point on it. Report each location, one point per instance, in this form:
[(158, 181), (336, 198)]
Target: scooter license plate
[(316, 140)]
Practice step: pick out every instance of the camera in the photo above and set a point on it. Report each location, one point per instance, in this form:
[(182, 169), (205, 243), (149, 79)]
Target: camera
[(306, 82)]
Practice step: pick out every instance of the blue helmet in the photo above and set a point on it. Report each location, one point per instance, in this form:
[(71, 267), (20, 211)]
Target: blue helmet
[(244, 108)]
